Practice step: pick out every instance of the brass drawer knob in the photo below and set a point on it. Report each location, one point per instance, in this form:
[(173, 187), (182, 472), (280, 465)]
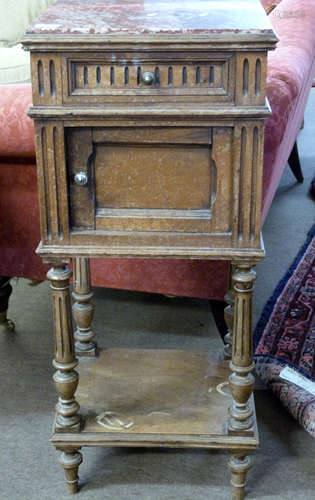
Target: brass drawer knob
[(81, 178), (147, 77)]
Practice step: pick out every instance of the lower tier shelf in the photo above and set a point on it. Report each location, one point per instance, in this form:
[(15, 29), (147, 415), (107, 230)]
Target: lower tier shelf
[(144, 397)]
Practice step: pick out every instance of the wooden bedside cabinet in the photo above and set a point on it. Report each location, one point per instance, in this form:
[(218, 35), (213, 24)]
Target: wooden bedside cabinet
[(149, 120)]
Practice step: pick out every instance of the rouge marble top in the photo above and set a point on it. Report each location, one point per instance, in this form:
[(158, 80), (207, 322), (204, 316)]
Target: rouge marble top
[(151, 17)]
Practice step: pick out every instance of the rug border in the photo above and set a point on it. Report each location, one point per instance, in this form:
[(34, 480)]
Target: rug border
[(265, 315)]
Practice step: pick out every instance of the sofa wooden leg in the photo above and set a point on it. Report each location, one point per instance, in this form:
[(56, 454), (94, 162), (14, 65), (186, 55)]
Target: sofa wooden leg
[(5, 292), (294, 163), (217, 309)]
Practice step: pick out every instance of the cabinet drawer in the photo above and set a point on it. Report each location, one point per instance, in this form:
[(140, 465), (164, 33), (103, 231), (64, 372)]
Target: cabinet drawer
[(149, 77)]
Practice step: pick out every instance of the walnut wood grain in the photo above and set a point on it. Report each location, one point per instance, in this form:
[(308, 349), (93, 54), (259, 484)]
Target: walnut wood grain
[(52, 177), (173, 168), (119, 76), (183, 401)]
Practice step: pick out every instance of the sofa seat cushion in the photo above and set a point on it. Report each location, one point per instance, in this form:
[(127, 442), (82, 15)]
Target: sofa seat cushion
[(17, 129), (20, 235)]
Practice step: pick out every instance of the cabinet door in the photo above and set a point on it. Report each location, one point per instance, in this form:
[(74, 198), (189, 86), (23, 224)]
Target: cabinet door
[(161, 179)]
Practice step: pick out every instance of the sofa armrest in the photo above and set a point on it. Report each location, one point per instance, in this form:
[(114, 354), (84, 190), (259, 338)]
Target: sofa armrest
[(17, 129), (290, 64), (290, 72)]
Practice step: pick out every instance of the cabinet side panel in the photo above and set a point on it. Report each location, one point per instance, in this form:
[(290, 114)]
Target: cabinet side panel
[(247, 184), (52, 181), (223, 161)]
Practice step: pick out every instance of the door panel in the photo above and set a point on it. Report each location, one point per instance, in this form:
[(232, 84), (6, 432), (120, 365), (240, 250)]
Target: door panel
[(151, 179)]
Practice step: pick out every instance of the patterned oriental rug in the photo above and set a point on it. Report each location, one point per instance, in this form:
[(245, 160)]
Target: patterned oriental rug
[(284, 338)]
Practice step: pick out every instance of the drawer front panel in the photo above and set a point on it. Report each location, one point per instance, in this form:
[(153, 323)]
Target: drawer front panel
[(123, 75), (194, 77), (153, 179)]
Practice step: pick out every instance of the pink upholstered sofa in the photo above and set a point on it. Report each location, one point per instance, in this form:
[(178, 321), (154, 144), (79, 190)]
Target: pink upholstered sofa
[(290, 73)]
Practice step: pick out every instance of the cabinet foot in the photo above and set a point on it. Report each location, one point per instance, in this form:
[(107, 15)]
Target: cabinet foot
[(70, 461), (239, 465)]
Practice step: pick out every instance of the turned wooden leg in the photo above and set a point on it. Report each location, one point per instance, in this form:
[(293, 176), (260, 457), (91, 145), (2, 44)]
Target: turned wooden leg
[(66, 378), (241, 380), (5, 292), (294, 163), (70, 460), (229, 318), (83, 308), (239, 464)]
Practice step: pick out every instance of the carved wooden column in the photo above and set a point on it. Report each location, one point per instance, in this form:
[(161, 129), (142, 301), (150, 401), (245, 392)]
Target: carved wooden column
[(83, 308), (70, 460), (65, 378), (229, 317), (239, 464), (241, 380)]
